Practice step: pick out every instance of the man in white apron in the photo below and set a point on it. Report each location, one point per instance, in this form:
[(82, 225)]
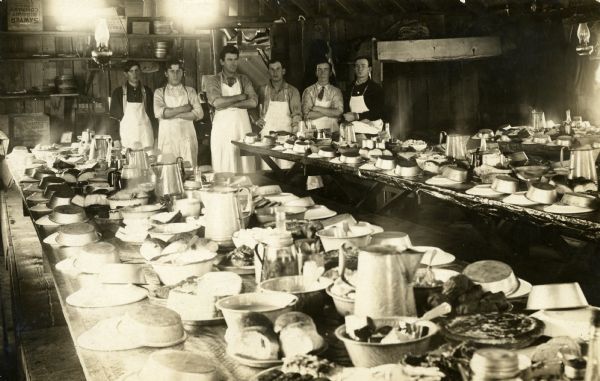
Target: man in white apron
[(280, 106), (231, 94), (177, 107), (322, 103), (365, 100), (131, 104)]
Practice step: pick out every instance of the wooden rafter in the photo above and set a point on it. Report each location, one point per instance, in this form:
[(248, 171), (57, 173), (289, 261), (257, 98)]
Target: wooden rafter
[(372, 7), (304, 6), (398, 5), (347, 6)]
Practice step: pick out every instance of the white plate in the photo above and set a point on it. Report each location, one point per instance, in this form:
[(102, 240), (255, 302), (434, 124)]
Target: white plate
[(483, 191), (106, 295), (40, 208), (375, 228), (319, 212), (282, 197), (524, 289), (441, 181), (566, 209), (268, 363), (369, 167), (519, 199), (314, 156), (441, 258), (278, 148)]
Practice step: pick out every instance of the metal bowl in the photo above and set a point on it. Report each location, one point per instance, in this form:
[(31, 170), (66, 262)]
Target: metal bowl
[(542, 193), (455, 173), (329, 153), (50, 180), (43, 172), (579, 200), (385, 162), (311, 297), (351, 158), (94, 256), (564, 140), (60, 197), (141, 211), (51, 188), (367, 355), (76, 235), (505, 184), (67, 214), (404, 171), (122, 273), (400, 240)]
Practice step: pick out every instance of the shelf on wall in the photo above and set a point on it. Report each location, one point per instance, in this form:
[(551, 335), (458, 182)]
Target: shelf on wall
[(447, 49), (25, 59), (37, 96), (48, 33)]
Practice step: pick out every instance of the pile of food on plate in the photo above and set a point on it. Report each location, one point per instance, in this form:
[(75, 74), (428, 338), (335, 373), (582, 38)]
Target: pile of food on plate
[(240, 257), (466, 297), (363, 328), (293, 333), (302, 368)]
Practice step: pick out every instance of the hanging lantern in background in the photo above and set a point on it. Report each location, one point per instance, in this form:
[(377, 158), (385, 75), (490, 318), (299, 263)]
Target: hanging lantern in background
[(101, 55), (583, 34)]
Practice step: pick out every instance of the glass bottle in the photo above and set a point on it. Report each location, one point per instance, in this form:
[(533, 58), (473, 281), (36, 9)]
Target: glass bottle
[(592, 370)]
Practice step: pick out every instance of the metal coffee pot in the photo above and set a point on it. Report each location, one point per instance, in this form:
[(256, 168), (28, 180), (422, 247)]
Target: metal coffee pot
[(169, 177), (456, 145), (384, 281), (582, 162), (223, 212), (137, 158)]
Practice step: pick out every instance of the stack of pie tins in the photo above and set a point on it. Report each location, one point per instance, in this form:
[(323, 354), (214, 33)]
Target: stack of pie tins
[(160, 50), (142, 326), (65, 84)]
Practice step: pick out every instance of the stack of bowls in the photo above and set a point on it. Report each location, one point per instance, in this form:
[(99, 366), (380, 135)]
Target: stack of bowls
[(160, 49)]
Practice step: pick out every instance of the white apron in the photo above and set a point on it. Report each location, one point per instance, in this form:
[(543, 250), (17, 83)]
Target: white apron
[(277, 118), (325, 122), (357, 103), (230, 124), (135, 125), (178, 136)]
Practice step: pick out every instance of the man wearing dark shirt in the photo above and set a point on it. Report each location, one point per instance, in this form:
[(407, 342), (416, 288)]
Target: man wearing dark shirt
[(365, 101), (132, 105)]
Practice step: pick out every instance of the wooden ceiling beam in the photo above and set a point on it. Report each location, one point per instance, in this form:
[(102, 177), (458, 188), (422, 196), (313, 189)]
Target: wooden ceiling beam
[(304, 7), (347, 6), (398, 5), (372, 7)]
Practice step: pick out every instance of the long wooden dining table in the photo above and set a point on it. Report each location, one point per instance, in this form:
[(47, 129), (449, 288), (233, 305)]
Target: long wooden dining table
[(584, 226), (205, 340)]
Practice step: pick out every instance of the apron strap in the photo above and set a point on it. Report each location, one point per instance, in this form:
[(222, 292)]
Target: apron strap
[(143, 97)]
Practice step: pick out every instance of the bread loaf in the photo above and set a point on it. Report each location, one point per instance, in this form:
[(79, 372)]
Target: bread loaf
[(300, 338), (258, 343)]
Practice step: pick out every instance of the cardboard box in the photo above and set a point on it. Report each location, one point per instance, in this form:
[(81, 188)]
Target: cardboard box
[(140, 27), (30, 129), (25, 15)]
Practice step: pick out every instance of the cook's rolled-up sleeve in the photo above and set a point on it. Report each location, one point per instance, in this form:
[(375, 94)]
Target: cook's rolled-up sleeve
[(195, 102), (295, 106), (308, 101), (337, 100), (248, 88), (213, 89), (159, 103)]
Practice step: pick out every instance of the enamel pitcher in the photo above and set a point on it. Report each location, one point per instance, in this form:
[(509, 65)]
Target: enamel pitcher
[(169, 177), (582, 162), (224, 212), (384, 281), (456, 145)]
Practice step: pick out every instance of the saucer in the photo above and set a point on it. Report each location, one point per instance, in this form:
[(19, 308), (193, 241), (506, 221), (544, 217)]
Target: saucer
[(566, 209), (519, 199), (441, 181), (483, 191), (319, 212)]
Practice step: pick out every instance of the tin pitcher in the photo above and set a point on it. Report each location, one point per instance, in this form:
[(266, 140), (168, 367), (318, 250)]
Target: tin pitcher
[(223, 212), (384, 281), (277, 256), (456, 145), (169, 177), (137, 158), (582, 162)]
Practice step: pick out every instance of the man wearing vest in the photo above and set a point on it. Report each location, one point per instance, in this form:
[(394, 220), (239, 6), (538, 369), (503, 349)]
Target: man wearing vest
[(177, 107), (131, 105)]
